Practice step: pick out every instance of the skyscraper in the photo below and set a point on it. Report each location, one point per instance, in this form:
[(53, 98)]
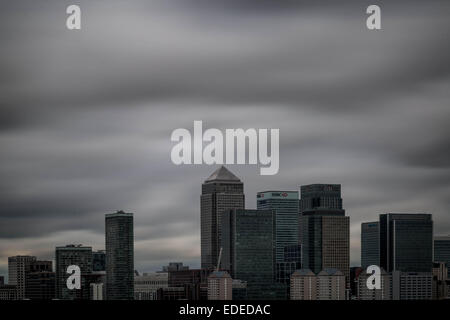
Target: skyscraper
[(66, 256), (406, 242), (442, 251), (99, 260), (17, 270), (119, 256), (285, 204), (324, 229), (40, 281), (370, 251), (248, 242), (220, 192)]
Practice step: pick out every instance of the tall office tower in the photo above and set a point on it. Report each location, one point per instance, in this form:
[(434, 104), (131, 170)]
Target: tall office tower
[(40, 281), (324, 229), (441, 251), (72, 254), (147, 285), (406, 242), (248, 242), (119, 256), (220, 286), (370, 250), (285, 204), (17, 269), (99, 260), (220, 192), (364, 293), (412, 285), (329, 284)]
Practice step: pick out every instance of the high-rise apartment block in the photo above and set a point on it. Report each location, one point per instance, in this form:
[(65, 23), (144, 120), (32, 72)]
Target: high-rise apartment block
[(119, 256)]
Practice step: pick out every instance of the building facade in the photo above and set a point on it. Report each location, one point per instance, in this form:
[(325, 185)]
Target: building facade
[(222, 191), (119, 256), (324, 229), (412, 285), (406, 242), (147, 285), (220, 286), (329, 284), (65, 256), (364, 293), (441, 251), (286, 207), (370, 247), (17, 270), (248, 242)]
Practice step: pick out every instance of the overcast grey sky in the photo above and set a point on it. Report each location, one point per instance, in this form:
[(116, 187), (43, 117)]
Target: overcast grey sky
[(86, 116)]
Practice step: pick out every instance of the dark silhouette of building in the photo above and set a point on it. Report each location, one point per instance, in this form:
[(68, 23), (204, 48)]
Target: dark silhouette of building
[(370, 247), (8, 292), (99, 260), (40, 281), (324, 229), (119, 256), (194, 282), (406, 242), (220, 192), (72, 254), (248, 242), (441, 251)]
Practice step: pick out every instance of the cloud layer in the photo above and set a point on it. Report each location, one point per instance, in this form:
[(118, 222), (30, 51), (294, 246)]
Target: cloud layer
[(86, 116)]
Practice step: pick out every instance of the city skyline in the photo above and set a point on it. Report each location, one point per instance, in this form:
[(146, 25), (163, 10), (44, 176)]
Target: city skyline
[(86, 116), (219, 172)]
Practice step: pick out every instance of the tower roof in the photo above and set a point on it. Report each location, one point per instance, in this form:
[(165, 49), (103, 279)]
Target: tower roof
[(223, 174)]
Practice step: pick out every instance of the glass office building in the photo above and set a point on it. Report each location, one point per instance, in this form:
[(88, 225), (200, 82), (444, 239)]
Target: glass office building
[(285, 204), (406, 242), (442, 251), (370, 250)]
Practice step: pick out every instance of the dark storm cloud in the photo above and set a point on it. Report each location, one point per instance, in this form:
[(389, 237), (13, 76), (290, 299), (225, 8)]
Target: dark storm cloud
[(86, 117)]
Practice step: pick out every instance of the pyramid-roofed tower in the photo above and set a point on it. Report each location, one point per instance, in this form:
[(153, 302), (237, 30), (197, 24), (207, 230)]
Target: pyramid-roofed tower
[(222, 174)]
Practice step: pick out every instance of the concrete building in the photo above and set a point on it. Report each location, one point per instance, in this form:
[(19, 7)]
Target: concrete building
[(411, 285), (364, 293), (8, 292), (119, 256), (65, 256), (370, 247), (329, 284), (147, 285), (406, 242), (286, 206), (222, 191), (220, 286), (324, 229), (17, 269)]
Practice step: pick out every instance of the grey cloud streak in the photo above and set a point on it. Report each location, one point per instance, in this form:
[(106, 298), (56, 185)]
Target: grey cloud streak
[(86, 117)]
